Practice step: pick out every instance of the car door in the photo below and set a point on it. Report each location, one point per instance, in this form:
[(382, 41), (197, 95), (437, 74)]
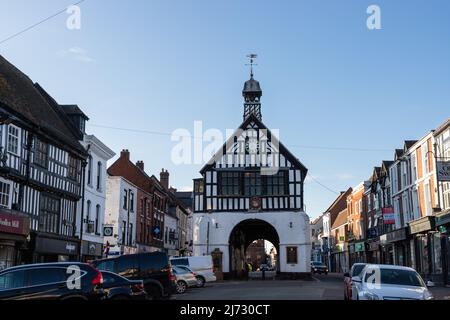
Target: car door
[(356, 286), (12, 285), (47, 283), (155, 266), (127, 266)]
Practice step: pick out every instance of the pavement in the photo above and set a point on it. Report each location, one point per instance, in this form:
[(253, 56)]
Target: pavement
[(321, 287)]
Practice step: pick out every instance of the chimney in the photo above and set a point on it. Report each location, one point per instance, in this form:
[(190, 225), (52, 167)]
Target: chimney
[(140, 165), (125, 154), (164, 178)]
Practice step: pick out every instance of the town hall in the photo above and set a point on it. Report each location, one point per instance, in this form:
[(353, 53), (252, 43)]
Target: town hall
[(252, 189)]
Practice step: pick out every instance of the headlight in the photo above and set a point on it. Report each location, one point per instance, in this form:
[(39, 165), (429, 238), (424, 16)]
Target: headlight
[(371, 296), (427, 295)]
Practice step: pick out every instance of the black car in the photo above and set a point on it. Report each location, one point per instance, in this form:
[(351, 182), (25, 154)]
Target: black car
[(119, 288), (51, 281), (153, 268), (318, 267)]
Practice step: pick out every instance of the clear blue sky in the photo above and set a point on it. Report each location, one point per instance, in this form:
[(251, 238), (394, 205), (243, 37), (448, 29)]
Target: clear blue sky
[(327, 80)]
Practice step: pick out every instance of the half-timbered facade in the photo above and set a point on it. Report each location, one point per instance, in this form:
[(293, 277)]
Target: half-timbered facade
[(40, 170), (252, 189)]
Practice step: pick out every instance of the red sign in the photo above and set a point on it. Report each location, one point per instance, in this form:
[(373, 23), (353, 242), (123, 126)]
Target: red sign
[(388, 215), (11, 223)]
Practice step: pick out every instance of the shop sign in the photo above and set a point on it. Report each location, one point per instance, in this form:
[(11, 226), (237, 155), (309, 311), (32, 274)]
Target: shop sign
[(443, 170), (396, 235), (56, 246), (360, 247), (442, 229), (351, 248), (388, 215), (372, 233), (421, 225), (373, 246), (12, 223)]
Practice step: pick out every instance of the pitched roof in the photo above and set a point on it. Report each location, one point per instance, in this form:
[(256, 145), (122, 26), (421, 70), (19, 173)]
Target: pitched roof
[(399, 153), (409, 143), (442, 127), (20, 96), (260, 124), (73, 109), (341, 219)]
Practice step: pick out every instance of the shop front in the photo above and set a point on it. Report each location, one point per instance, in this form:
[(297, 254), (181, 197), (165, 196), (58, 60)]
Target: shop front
[(357, 252), (442, 256), (422, 233), (373, 252), (399, 242), (91, 250), (340, 258), (14, 230), (50, 248)]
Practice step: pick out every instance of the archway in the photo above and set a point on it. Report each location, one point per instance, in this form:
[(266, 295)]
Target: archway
[(244, 234)]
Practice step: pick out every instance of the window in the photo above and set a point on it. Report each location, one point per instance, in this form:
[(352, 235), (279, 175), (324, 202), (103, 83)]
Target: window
[(131, 201), (124, 232), (97, 219), (125, 199), (198, 186), (252, 183), (230, 184), (426, 166), (291, 256), (414, 164), (49, 214), (42, 276), (12, 280), (89, 171), (40, 153), (107, 265), (5, 194), (99, 175), (73, 168), (166, 235), (127, 266), (276, 184), (13, 139), (130, 235), (88, 215), (151, 262)]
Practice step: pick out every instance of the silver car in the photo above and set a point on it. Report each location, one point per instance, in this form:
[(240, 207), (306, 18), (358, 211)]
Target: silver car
[(185, 279)]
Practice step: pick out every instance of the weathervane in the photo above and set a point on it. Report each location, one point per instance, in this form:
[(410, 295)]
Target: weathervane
[(252, 57)]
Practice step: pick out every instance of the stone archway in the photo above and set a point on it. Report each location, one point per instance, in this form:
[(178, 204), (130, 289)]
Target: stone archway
[(242, 235)]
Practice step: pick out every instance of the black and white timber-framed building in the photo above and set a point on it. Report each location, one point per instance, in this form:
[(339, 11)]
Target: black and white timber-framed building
[(252, 189), (40, 173)]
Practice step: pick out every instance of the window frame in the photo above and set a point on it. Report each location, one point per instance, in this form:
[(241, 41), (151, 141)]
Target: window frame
[(18, 137), (53, 226), (40, 157)]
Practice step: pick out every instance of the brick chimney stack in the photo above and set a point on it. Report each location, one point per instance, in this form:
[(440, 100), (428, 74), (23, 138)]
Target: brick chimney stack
[(140, 165), (164, 178), (125, 154)]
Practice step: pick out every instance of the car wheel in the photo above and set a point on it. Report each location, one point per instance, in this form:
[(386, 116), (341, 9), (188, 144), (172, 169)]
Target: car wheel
[(153, 292), (200, 282), (181, 287)]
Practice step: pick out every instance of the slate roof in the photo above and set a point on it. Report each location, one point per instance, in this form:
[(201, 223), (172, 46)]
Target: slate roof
[(22, 98), (341, 219)]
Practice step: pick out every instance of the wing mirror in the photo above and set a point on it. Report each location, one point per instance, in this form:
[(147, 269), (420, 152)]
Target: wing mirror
[(430, 283), (356, 279)]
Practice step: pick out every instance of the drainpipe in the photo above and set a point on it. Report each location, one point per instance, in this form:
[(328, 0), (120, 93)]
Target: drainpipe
[(83, 171)]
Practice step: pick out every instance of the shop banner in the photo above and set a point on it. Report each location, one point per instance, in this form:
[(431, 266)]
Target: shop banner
[(443, 170), (388, 215), (11, 223)]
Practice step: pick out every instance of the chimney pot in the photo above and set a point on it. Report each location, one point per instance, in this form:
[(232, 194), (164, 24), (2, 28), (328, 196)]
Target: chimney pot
[(140, 165), (125, 154)]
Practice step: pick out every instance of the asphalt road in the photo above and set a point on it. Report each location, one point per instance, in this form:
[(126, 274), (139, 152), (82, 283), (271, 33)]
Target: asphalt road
[(322, 287)]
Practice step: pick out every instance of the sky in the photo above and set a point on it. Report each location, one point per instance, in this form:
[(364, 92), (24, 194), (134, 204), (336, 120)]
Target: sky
[(343, 96)]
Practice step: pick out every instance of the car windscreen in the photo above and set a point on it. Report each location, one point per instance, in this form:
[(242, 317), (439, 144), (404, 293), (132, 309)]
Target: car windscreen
[(357, 269), (394, 277), (318, 264)]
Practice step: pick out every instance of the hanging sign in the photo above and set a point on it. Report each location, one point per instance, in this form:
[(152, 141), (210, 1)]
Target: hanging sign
[(443, 170)]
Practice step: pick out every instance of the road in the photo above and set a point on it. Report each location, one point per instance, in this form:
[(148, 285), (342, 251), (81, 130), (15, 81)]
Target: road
[(322, 287)]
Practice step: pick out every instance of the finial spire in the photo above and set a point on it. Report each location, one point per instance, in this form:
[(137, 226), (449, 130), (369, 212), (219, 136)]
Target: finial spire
[(252, 57)]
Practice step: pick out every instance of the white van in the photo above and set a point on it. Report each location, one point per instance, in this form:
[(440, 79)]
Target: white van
[(201, 265)]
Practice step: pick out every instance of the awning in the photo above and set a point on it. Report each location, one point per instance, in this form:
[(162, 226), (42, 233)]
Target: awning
[(422, 225)]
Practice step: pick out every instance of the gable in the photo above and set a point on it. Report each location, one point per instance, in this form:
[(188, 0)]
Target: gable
[(254, 145)]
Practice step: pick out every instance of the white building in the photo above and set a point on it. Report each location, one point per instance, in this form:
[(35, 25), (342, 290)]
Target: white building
[(252, 189), (94, 198), (170, 232), (120, 217)]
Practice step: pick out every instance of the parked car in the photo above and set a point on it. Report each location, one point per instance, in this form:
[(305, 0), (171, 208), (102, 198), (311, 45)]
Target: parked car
[(51, 281), (354, 271), (202, 266), (389, 282), (264, 267), (153, 268), (119, 288), (318, 267), (185, 279)]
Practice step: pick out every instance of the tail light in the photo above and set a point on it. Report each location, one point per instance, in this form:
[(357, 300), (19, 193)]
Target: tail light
[(98, 280), (172, 277), (137, 288)]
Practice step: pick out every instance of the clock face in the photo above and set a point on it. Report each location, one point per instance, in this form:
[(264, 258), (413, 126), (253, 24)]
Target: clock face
[(107, 231), (252, 146), (255, 203)]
